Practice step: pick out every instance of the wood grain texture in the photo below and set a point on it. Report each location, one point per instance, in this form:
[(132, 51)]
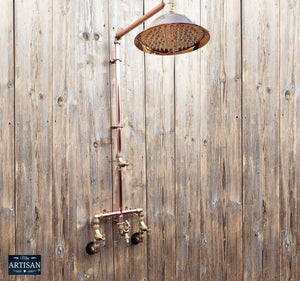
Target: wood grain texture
[(62, 94), (187, 158), (82, 154), (7, 204), (252, 150), (289, 139), (261, 140), (160, 141), (33, 132), (297, 140), (221, 141)]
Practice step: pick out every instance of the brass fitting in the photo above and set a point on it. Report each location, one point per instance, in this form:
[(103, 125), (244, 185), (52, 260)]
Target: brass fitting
[(143, 227), (98, 236), (124, 230), (121, 162), (94, 246)]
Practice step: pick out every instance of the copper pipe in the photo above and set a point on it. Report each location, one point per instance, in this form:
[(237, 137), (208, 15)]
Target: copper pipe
[(140, 20), (118, 213), (118, 109), (118, 117), (120, 190)]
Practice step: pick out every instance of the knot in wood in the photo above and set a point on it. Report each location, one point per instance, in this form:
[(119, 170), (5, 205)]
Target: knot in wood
[(287, 94), (85, 35)]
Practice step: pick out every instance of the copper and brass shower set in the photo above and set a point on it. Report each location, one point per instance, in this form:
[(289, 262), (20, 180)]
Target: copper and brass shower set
[(170, 34)]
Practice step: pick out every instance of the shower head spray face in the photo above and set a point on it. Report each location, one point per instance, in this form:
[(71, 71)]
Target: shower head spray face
[(172, 34)]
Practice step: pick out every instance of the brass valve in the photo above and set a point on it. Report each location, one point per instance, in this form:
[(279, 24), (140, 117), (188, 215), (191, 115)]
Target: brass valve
[(124, 230)]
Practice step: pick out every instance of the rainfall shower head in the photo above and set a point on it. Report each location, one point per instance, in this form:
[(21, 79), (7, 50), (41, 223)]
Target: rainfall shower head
[(172, 34)]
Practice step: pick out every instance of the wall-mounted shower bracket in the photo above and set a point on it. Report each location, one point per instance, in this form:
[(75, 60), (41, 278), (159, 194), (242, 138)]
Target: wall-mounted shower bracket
[(114, 61), (117, 127)]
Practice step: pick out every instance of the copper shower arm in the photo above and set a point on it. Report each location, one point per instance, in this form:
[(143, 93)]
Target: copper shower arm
[(140, 20)]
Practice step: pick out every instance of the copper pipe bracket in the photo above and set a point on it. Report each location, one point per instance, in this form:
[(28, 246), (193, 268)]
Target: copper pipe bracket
[(117, 40), (116, 127), (114, 61)]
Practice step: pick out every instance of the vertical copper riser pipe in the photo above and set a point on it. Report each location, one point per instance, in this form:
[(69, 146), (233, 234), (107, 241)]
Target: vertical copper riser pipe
[(118, 117)]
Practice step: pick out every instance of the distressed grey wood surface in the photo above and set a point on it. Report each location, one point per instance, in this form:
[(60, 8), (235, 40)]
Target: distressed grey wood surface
[(261, 140), (7, 201), (187, 158), (82, 154), (33, 131), (221, 84), (289, 99), (212, 138), (160, 149)]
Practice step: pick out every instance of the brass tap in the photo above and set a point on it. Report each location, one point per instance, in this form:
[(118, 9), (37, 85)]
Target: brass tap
[(124, 230), (97, 233), (143, 227)]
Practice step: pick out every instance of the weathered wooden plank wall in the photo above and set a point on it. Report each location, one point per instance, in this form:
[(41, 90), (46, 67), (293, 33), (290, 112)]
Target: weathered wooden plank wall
[(289, 140), (33, 129), (261, 139), (212, 137), (7, 171)]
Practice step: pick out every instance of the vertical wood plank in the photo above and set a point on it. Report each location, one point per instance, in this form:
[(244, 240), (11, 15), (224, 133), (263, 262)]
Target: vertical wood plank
[(63, 82), (297, 141), (82, 141), (7, 205), (287, 144), (252, 178), (33, 135), (289, 140), (270, 141), (208, 144), (160, 122), (187, 156), (130, 260), (260, 140), (221, 142)]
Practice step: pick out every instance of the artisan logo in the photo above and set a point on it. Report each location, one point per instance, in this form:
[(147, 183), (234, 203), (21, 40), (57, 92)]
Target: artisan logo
[(24, 265)]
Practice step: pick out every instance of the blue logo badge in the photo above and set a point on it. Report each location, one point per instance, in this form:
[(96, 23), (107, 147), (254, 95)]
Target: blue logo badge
[(24, 265)]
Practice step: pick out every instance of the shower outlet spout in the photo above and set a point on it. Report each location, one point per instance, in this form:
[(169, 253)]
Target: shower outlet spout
[(142, 225), (98, 236)]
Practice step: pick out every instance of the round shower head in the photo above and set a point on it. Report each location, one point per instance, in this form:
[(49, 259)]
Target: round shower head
[(172, 34)]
